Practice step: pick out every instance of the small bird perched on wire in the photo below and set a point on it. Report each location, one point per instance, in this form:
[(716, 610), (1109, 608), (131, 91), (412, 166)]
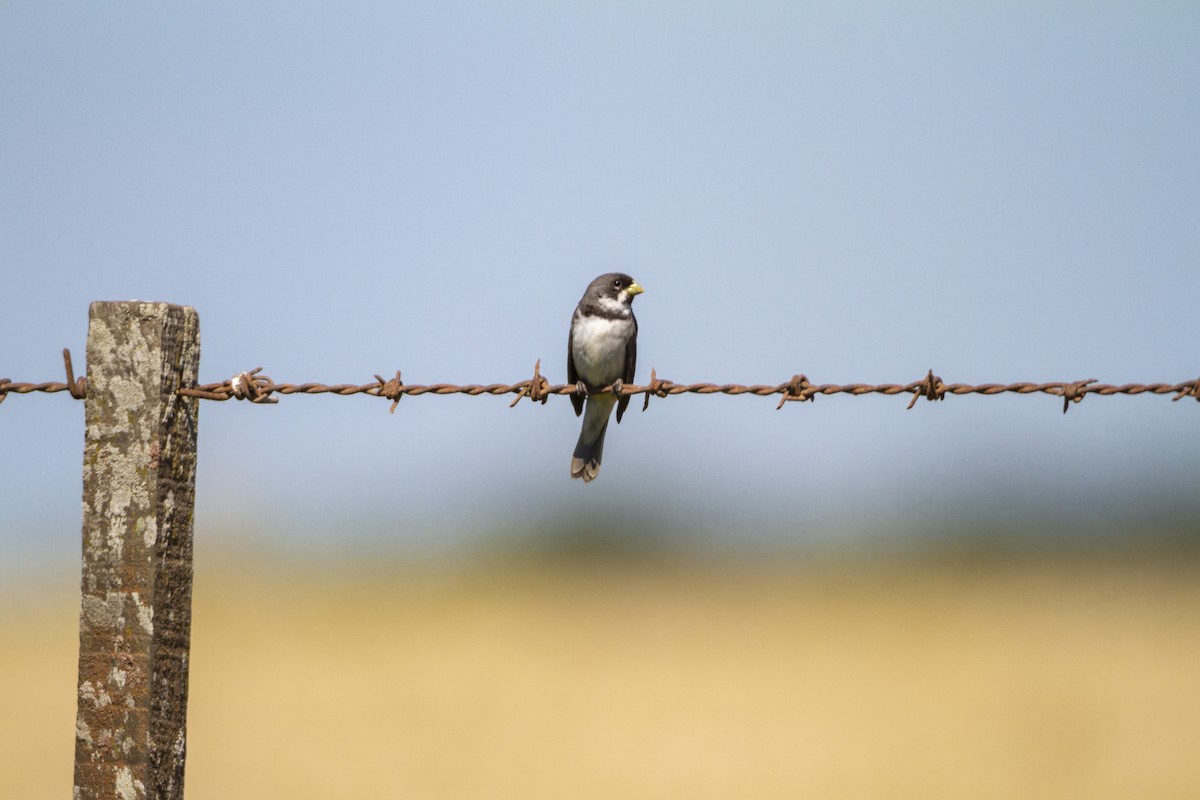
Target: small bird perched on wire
[(601, 350)]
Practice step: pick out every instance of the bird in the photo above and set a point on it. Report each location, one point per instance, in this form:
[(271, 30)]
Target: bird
[(601, 350)]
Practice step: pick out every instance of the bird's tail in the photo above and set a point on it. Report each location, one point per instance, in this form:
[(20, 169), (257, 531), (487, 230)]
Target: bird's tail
[(585, 461)]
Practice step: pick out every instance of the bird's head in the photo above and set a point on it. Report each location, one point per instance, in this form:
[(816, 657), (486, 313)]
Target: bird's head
[(614, 287)]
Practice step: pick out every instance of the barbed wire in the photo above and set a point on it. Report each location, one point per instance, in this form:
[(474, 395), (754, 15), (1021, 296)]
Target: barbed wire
[(258, 388), (76, 386)]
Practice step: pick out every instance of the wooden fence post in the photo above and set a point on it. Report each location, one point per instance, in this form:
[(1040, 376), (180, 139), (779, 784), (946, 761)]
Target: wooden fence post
[(139, 468)]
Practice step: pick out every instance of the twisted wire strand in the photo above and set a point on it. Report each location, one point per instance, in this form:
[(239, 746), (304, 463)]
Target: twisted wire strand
[(258, 388)]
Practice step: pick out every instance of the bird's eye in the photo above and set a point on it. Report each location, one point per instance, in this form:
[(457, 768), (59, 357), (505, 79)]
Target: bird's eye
[(617, 283)]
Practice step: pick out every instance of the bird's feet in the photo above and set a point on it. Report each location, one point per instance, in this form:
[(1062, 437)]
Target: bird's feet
[(581, 389)]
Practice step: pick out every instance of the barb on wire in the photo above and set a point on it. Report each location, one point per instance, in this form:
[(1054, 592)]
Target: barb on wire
[(260, 389), (1188, 389), (253, 387), (1075, 392), (798, 389), (76, 387), (535, 388), (392, 390), (931, 389), (656, 387)]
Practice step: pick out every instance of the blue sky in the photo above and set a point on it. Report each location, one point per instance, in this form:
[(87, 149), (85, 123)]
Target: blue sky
[(858, 192)]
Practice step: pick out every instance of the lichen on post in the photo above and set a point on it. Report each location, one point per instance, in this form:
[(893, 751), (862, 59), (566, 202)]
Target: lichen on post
[(139, 469)]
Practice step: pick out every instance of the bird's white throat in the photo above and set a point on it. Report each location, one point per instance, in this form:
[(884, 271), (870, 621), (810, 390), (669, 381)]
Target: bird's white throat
[(613, 305)]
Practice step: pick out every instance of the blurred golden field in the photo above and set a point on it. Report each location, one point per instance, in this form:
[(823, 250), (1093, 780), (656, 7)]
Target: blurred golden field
[(1010, 679)]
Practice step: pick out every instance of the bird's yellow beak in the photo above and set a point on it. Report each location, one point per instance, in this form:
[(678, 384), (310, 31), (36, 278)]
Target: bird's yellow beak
[(634, 289)]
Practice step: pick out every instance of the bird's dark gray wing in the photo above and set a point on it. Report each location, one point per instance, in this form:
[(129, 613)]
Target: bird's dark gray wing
[(630, 368), (572, 375)]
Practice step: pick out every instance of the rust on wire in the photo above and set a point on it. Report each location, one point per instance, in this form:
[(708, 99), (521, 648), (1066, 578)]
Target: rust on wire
[(538, 389), (253, 387), (260, 389), (931, 389), (392, 389), (1192, 389), (798, 389), (76, 387), (535, 388), (656, 387), (1074, 392)]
